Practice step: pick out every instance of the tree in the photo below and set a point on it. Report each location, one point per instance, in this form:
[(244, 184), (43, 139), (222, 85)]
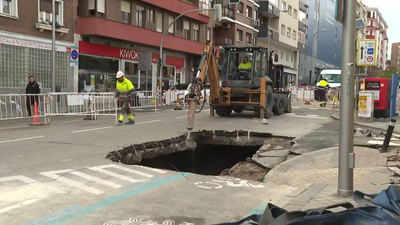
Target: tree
[(388, 73)]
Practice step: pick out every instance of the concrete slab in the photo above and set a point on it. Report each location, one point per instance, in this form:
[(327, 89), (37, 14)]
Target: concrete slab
[(268, 162), (274, 153)]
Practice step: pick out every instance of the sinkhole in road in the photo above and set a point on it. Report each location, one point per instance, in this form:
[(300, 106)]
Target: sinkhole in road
[(206, 159), (241, 154)]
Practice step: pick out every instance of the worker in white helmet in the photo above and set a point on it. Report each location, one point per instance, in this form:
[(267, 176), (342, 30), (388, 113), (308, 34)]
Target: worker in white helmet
[(125, 90)]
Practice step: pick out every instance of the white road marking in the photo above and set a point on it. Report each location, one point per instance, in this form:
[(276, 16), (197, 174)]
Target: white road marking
[(101, 169), (295, 107), (152, 169), (33, 189), (181, 117), (95, 179), (93, 129), (312, 115), (53, 175), (21, 139), (18, 205), (151, 121)]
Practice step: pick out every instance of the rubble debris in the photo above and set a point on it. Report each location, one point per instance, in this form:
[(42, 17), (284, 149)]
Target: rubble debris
[(246, 170)]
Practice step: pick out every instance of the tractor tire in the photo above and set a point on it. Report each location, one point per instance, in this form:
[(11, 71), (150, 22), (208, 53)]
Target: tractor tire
[(279, 107), (223, 111), (269, 102)]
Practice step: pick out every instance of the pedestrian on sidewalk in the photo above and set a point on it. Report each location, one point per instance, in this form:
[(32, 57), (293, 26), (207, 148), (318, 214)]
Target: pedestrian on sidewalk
[(320, 92), (32, 89), (125, 92)]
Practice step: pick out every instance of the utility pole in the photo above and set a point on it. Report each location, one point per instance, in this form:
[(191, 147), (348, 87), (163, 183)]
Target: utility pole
[(53, 31), (346, 135)]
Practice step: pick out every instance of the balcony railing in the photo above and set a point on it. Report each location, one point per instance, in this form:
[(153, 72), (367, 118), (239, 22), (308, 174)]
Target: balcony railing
[(228, 12), (222, 41)]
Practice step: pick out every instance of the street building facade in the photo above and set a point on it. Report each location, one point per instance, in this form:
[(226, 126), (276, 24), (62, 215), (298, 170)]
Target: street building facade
[(377, 29), (26, 44), (395, 56), (281, 31), (113, 33), (324, 41)]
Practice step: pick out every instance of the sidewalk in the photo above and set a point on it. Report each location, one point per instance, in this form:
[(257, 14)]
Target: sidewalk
[(312, 105), (316, 177), (380, 124)]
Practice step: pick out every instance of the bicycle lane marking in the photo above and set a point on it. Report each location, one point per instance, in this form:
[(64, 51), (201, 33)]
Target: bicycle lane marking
[(117, 198)]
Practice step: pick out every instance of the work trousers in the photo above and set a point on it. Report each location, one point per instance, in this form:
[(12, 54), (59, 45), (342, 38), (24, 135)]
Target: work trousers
[(125, 110), (30, 103), (320, 95)]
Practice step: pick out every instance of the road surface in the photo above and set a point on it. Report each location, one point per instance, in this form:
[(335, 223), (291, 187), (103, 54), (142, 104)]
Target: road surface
[(58, 174)]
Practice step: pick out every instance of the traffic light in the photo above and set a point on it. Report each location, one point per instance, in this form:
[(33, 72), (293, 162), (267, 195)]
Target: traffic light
[(233, 1), (217, 12)]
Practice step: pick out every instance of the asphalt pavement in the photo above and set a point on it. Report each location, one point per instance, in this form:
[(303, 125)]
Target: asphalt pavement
[(58, 174)]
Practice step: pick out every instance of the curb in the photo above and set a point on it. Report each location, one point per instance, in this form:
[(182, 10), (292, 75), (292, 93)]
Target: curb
[(363, 124)]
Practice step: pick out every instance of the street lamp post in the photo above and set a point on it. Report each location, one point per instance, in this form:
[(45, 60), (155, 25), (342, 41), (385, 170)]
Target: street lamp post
[(312, 52)]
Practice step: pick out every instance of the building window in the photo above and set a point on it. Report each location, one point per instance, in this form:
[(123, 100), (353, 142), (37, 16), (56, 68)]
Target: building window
[(283, 5), (240, 8), (292, 58), (186, 29), (249, 12), (295, 14), (179, 25), (204, 4), (159, 21), (283, 29), (9, 7), (294, 35), (97, 7), (14, 71), (239, 34), (289, 32), (171, 29), (139, 16), (196, 32), (150, 15), (45, 11), (208, 34), (290, 10), (287, 56), (126, 12), (248, 38)]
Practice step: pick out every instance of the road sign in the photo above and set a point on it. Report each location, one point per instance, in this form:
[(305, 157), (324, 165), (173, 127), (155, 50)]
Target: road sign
[(74, 61), (366, 52)]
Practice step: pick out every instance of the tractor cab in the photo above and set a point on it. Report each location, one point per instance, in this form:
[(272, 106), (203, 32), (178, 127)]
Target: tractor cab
[(243, 67)]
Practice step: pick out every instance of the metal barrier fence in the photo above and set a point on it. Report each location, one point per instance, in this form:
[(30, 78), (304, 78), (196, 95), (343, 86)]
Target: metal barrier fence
[(18, 106), (90, 104)]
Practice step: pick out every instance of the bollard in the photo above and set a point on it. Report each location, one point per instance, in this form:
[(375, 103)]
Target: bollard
[(388, 135)]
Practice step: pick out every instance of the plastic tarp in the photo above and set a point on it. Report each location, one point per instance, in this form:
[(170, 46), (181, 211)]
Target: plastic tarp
[(380, 209)]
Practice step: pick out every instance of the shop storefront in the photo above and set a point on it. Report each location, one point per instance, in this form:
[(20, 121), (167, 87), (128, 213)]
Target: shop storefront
[(22, 56), (98, 65)]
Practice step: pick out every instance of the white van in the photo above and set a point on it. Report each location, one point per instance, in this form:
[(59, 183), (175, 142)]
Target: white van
[(333, 76)]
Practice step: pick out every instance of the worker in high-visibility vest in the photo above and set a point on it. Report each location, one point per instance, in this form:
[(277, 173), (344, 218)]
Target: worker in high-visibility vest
[(320, 91), (125, 92)]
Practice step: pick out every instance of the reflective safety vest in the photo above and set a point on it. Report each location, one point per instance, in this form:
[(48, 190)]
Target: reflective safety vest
[(245, 65), (125, 85), (322, 85)]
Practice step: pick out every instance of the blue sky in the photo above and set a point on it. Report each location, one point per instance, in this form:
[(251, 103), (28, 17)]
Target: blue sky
[(390, 11)]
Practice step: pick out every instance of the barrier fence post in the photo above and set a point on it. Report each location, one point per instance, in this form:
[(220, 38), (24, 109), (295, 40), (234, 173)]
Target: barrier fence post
[(388, 135)]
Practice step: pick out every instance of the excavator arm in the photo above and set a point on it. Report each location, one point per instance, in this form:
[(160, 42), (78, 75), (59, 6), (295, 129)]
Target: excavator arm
[(208, 67)]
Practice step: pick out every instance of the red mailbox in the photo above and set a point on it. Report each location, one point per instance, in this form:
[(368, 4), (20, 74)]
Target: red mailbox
[(382, 88)]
